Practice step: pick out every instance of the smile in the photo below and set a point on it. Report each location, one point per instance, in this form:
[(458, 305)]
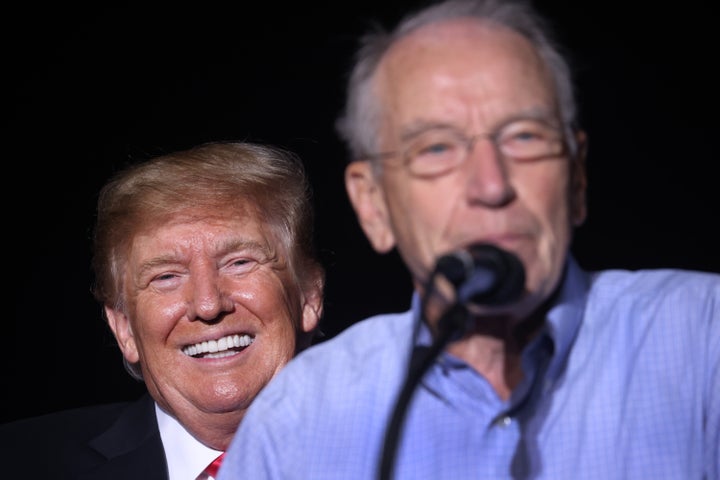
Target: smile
[(219, 348)]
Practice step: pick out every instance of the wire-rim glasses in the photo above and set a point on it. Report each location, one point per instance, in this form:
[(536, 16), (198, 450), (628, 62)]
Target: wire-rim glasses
[(439, 149)]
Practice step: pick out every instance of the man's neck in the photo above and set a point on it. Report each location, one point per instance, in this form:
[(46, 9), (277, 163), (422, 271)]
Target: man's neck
[(494, 349)]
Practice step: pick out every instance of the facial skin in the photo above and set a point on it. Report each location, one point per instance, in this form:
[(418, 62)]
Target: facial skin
[(202, 276), (474, 78)]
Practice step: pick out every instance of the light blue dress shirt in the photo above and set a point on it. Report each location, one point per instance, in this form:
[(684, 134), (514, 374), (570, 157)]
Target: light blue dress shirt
[(623, 383)]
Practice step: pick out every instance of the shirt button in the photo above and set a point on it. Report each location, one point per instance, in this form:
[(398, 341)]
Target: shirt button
[(503, 421)]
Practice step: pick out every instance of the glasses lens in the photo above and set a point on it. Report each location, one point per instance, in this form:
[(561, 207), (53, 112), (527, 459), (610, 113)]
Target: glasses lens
[(529, 139), (435, 152)]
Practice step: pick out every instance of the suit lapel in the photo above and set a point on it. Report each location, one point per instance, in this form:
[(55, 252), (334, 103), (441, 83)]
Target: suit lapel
[(132, 446)]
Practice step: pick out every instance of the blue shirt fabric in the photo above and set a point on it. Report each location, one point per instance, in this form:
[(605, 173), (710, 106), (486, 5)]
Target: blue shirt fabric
[(622, 383)]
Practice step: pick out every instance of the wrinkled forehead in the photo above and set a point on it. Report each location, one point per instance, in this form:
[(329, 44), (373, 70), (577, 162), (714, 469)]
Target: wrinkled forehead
[(461, 67), (241, 210), (464, 38), (240, 220)]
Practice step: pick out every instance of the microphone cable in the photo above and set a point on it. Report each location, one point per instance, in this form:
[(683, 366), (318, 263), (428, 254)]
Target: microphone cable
[(453, 318)]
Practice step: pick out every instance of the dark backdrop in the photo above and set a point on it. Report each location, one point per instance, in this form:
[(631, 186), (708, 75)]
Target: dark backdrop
[(95, 87)]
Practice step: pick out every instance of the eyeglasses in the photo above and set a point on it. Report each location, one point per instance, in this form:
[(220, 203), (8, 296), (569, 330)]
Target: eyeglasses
[(436, 151)]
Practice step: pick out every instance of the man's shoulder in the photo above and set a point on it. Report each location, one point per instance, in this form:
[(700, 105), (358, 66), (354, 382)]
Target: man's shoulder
[(70, 425), (657, 283), (670, 300), (374, 334), (340, 365), (79, 418), (89, 442)]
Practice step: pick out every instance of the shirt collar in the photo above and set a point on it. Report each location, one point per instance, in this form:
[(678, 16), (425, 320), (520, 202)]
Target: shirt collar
[(564, 318), (183, 452), (562, 321)]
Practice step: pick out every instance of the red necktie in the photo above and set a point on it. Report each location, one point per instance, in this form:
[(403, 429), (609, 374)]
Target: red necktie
[(213, 468)]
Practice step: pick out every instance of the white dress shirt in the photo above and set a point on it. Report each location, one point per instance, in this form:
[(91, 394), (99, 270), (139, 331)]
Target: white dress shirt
[(186, 456)]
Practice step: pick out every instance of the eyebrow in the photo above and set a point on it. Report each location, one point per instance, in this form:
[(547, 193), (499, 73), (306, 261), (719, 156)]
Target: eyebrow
[(225, 247), (418, 127)]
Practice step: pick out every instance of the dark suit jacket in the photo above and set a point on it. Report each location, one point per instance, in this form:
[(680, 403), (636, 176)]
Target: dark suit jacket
[(104, 442)]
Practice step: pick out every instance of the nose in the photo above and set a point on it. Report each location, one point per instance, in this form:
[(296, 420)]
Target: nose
[(488, 179), (207, 298)]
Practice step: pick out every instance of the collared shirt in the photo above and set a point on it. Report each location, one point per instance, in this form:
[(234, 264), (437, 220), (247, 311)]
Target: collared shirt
[(623, 383), (186, 456)]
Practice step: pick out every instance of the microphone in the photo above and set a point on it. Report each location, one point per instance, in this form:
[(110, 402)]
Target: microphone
[(483, 274)]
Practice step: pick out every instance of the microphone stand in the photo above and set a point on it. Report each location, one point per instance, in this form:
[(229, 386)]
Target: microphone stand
[(450, 323)]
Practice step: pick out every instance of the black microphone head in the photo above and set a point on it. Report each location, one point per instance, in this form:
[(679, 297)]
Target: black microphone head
[(483, 274), (456, 267)]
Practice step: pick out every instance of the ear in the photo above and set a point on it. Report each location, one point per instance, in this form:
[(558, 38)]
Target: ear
[(578, 181), (367, 199), (120, 326), (313, 304)]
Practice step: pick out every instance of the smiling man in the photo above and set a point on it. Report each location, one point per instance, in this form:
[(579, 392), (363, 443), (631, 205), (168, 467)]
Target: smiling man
[(205, 267)]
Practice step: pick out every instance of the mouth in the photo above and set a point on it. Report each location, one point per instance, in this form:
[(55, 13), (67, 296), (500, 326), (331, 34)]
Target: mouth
[(222, 347)]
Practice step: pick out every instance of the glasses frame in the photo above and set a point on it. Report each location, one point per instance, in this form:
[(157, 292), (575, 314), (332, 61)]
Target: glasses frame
[(469, 141)]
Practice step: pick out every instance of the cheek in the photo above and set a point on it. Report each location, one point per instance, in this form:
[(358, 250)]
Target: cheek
[(279, 316), (549, 202), (546, 192), (274, 304), (156, 314), (421, 211), (418, 222)]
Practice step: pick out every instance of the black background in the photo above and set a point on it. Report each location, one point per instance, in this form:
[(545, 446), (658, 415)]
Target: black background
[(92, 88)]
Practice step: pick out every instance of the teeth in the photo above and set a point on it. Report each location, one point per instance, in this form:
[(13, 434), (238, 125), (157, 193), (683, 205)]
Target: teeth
[(218, 348)]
